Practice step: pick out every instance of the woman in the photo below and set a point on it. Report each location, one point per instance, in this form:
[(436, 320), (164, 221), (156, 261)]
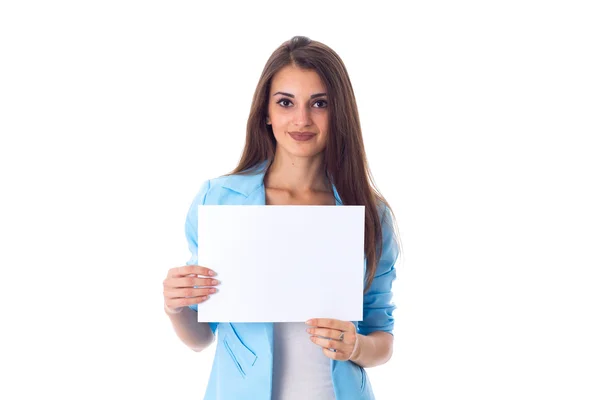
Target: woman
[(303, 147)]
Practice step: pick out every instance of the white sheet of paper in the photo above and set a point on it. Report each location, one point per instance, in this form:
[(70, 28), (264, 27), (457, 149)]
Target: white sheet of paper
[(282, 263)]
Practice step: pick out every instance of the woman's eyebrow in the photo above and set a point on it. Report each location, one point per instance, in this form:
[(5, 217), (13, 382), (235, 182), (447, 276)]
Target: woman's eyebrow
[(292, 96)]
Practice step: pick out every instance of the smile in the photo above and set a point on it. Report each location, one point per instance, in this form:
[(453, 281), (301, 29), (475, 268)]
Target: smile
[(302, 137)]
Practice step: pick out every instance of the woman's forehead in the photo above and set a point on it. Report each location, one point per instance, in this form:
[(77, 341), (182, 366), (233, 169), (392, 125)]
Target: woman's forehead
[(297, 82)]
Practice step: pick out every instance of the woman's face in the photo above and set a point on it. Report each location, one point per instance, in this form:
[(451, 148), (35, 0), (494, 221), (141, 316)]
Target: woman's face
[(298, 104)]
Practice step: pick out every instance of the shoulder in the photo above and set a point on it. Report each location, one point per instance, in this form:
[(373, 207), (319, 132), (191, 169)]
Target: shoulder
[(385, 215), (210, 189), (213, 184), (240, 184), (229, 189), (390, 240)]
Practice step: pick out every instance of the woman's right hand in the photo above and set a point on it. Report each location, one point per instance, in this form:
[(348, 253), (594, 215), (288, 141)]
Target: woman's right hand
[(179, 290)]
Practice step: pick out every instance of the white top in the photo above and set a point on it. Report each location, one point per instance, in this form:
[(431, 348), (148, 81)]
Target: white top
[(300, 369)]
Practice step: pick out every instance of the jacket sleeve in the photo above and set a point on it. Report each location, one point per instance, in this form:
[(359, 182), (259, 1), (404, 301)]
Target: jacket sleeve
[(191, 233), (377, 301)]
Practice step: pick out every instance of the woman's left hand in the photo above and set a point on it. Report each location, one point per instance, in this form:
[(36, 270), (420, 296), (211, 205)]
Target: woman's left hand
[(339, 339)]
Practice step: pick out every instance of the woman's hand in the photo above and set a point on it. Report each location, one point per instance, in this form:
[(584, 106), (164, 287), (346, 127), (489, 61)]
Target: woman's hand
[(339, 338), (179, 290)]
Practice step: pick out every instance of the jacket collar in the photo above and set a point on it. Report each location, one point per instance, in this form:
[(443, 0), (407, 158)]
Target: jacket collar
[(249, 183)]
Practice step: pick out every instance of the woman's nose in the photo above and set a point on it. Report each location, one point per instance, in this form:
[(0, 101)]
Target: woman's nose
[(302, 116)]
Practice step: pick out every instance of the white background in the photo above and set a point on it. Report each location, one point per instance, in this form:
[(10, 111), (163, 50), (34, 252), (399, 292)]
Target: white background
[(480, 121)]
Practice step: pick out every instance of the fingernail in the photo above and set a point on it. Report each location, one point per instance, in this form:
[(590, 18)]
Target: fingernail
[(309, 322), (211, 273), (215, 282)]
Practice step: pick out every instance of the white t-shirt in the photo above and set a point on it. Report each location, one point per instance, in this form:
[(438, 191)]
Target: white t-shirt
[(300, 369)]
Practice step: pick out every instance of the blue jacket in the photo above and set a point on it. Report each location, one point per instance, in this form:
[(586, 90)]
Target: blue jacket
[(242, 367)]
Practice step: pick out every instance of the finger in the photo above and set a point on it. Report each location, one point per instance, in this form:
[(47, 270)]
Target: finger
[(328, 333), (190, 270), (330, 344), (336, 355), (183, 302), (188, 292), (328, 323), (189, 281), (333, 349)]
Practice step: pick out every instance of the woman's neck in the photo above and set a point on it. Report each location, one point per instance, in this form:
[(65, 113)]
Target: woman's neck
[(297, 174)]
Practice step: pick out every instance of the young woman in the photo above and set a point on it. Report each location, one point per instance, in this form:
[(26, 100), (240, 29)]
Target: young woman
[(304, 146)]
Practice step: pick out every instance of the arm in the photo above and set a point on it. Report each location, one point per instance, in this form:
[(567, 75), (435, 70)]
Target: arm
[(196, 335), (373, 349), (375, 332)]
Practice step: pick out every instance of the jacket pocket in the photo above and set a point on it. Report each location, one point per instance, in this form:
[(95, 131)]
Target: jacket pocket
[(241, 355)]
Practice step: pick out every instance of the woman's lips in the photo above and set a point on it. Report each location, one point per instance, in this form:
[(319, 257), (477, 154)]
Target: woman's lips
[(302, 137)]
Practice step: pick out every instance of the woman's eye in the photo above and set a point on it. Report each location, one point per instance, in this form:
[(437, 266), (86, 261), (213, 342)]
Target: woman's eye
[(283, 100), (323, 102)]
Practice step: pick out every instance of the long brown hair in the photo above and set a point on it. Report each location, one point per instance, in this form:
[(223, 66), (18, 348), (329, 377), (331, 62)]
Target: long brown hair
[(344, 158)]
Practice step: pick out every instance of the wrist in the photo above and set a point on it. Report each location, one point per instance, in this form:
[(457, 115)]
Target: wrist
[(172, 311), (355, 355)]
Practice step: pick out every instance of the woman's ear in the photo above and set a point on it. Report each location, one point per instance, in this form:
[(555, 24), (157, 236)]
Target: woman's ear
[(268, 120)]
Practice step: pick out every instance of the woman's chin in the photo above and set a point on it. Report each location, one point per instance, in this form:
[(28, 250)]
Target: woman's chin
[(305, 153)]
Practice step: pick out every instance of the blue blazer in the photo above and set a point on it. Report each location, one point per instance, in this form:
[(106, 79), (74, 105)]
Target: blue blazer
[(243, 363)]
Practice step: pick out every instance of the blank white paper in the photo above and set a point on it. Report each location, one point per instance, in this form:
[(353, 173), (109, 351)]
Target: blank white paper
[(282, 263)]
